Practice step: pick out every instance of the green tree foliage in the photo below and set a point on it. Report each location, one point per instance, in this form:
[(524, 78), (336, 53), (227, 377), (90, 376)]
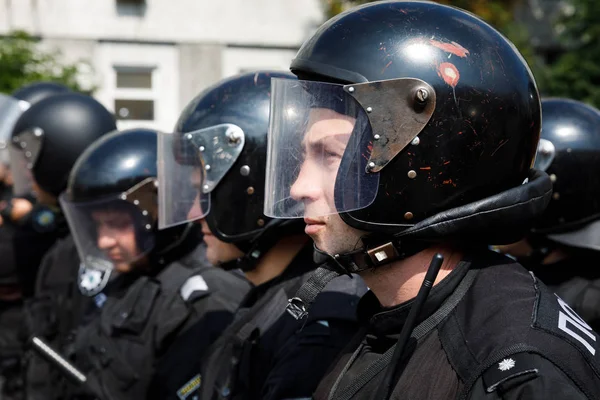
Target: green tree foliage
[(576, 72), (22, 62)]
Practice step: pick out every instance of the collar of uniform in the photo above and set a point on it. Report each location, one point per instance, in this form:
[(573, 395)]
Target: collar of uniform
[(300, 265), (384, 321)]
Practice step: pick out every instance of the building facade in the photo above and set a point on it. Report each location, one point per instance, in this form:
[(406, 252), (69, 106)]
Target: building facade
[(149, 58)]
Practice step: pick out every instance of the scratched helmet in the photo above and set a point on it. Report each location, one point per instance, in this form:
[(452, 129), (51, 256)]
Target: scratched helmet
[(436, 120)]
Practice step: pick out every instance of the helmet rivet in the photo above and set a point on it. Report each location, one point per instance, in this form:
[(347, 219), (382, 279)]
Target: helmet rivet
[(136, 202), (201, 148), (569, 150), (369, 109), (37, 132), (376, 137), (205, 188), (351, 89), (233, 137), (371, 165), (415, 141), (250, 190), (260, 222), (422, 95), (556, 196), (245, 170), (144, 212), (552, 178), (207, 167), (23, 145), (412, 174), (27, 154), (123, 196), (148, 226), (189, 136), (408, 215)]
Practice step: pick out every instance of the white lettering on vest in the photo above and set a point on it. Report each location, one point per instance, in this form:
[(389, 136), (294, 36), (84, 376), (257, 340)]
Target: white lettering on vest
[(571, 316)]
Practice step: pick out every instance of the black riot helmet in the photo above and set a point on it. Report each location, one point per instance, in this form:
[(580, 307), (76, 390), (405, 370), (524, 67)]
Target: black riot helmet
[(11, 107), (213, 166), (112, 192), (569, 151), (38, 91), (436, 120), (50, 135)]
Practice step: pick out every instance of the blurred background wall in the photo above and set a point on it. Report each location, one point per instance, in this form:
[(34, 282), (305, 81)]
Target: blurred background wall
[(146, 59)]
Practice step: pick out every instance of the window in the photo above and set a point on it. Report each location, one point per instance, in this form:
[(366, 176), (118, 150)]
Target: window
[(134, 79), (142, 110), (134, 2), (134, 93)]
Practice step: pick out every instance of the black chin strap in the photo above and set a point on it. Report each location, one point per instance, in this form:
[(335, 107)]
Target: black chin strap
[(378, 250), (268, 237)]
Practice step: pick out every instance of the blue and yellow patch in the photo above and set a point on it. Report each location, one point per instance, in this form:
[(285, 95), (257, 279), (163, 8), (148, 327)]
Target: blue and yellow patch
[(44, 220)]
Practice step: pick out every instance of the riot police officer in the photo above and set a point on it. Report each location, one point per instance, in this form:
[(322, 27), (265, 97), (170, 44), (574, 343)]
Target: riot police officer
[(214, 166), (406, 146), (149, 286), (565, 240), (13, 211), (45, 142)]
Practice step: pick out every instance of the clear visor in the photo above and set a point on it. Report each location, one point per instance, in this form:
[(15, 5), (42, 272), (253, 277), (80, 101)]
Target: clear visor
[(545, 155), (190, 166), (319, 149), (10, 111), (110, 232), (24, 152)]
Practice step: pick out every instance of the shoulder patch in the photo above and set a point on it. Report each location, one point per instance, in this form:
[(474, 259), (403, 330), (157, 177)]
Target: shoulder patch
[(515, 365), (190, 387), (193, 284), (556, 316)]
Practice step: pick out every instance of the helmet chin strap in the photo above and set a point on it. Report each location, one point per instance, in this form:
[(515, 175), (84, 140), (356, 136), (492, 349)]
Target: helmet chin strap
[(378, 250), (257, 247)]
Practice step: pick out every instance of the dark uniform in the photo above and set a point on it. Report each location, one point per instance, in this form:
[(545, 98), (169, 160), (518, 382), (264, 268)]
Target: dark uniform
[(217, 157), (266, 353), (137, 312), (489, 330), (11, 349), (54, 315), (11, 316), (142, 316), (576, 282)]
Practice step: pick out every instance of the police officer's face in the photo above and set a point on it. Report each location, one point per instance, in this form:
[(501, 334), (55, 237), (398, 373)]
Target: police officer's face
[(323, 146), (116, 237), (217, 251)]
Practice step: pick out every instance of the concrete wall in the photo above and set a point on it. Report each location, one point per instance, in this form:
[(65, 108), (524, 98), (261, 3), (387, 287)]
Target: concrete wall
[(272, 22), (188, 44)]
